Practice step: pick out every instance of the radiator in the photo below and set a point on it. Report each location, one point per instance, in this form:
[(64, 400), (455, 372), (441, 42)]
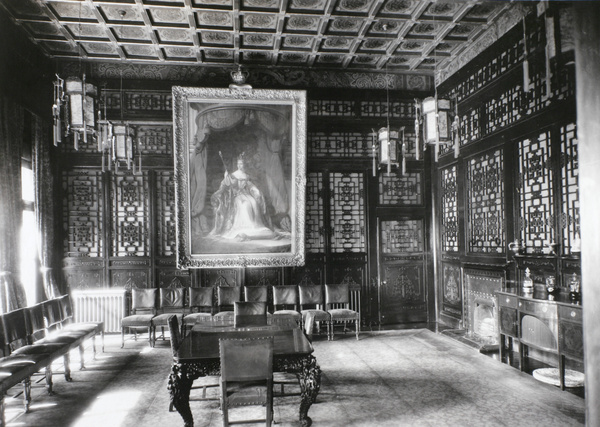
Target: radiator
[(100, 305)]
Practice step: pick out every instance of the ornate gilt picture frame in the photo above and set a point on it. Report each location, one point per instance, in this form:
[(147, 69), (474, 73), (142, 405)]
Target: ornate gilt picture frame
[(240, 175)]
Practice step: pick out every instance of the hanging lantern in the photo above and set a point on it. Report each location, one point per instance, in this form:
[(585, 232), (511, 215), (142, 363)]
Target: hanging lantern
[(123, 146), (57, 107), (80, 96), (436, 127)]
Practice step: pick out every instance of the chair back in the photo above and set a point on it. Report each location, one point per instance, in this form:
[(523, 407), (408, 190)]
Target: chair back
[(172, 299), (143, 300), (37, 322), (175, 334), (15, 329), (250, 313), (285, 296), (201, 299), (66, 308), (228, 295), (249, 359), (310, 295), (53, 314), (337, 294), (256, 293)]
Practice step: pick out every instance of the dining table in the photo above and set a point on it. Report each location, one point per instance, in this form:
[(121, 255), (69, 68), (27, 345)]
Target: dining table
[(198, 356)]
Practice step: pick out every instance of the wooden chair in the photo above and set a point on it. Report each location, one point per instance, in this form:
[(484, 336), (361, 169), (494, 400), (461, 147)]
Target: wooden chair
[(337, 304), (312, 308), (285, 303), (201, 307), (256, 294), (250, 313), (171, 302), (15, 343), (143, 308), (201, 383), (227, 296), (91, 328), (246, 375)]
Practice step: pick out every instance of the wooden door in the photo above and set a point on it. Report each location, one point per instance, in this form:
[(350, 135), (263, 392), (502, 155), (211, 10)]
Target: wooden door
[(402, 260)]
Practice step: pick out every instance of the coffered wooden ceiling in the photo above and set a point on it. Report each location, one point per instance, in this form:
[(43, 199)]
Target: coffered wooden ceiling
[(370, 35)]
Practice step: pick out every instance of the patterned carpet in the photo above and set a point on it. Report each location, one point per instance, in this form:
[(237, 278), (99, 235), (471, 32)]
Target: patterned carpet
[(392, 378)]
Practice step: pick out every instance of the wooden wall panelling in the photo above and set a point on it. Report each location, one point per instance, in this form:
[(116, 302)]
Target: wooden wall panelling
[(221, 277), (84, 273), (264, 277), (451, 292), (173, 277)]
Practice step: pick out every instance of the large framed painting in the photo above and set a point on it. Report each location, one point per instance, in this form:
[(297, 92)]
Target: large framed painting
[(240, 175)]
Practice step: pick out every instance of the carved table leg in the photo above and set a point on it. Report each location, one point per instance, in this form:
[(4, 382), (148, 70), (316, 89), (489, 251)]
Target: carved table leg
[(179, 387), (310, 383)]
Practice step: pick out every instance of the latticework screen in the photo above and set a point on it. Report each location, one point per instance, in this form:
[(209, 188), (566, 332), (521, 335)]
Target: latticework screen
[(83, 213), (449, 209), (536, 222), (485, 203), (347, 212), (570, 186)]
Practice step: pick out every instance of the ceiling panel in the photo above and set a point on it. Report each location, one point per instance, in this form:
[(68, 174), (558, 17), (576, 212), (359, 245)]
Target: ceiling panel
[(401, 35)]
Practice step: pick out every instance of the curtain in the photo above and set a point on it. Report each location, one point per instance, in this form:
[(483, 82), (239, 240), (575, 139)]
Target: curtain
[(44, 206), (12, 294)]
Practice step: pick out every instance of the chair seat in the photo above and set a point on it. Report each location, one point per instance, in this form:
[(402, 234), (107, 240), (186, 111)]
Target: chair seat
[(343, 314), (192, 318), (137, 320), (247, 393), (318, 315), (87, 327), (63, 336), (21, 360), (225, 315), (161, 319), (290, 313), (45, 348)]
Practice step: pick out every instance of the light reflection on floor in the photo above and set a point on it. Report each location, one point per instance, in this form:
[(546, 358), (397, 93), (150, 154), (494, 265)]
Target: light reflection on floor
[(109, 409)]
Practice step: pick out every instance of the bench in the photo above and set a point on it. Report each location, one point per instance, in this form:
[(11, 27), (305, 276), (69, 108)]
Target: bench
[(33, 338)]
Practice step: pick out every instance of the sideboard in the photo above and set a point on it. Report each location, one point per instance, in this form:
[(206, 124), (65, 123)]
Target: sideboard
[(551, 323)]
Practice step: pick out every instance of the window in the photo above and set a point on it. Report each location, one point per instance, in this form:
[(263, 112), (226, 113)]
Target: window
[(28, 236)]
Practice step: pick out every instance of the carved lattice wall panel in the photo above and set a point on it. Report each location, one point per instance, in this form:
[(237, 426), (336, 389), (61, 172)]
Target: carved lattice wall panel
[(449, 209), (155, 139), (80, 279), (310, 274), (536, 221), (130, 278), (173, 278), (404, 290), (402, 237), (397, 189), (263, 277), (398, 109), (165, 227), (485, 203), (452, 293), (569, 162), (314, 236), (503, 110), (350, 271), (331, 108), (339, 144), (220, 277), (83, 213), (130, 225), (139, 102), (503, 61), (347, 211)]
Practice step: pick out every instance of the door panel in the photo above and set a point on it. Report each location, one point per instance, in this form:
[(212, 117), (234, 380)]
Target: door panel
[(403, 282)]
